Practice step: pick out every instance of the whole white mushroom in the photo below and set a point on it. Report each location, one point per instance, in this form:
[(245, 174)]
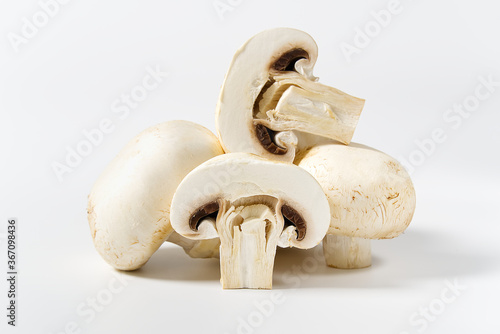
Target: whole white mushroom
[(129, 205), (371, 196)]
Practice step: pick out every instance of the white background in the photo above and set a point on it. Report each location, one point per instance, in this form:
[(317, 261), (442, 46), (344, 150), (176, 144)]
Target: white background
[(66, 77)]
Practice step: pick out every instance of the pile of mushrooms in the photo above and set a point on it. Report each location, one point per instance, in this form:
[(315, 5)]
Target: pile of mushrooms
[(282, 171)]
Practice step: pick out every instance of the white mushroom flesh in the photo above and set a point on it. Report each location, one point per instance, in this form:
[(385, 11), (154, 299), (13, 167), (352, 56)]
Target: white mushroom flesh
[(269, 96), (259, 206)]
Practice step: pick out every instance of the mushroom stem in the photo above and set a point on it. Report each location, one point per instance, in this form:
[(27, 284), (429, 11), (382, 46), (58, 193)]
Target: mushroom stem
[(347, 252), (249, 236), (295, 103)]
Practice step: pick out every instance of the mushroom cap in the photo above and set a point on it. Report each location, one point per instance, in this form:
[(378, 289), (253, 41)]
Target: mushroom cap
[(245, 79), (370, 194), (235, 176), (129, 205)]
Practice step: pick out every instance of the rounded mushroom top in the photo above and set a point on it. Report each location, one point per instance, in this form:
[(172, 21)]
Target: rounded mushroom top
[(275, 51), (241, 179), (370, 193), (128, 207)]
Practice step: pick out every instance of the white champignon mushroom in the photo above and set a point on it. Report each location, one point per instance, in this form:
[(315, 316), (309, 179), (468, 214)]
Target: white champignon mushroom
[(129, 205), (270, 100), (371, 196), (253, 205)]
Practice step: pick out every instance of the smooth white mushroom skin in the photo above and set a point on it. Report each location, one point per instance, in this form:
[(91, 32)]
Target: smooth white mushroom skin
[(129, 205), (371, 196), (253, 205), (269, 97), (347, 252)]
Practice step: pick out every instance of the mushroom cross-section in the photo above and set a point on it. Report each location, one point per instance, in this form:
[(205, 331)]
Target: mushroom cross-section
[(128, 207), (270, 100), (253, 205), (371, 196)]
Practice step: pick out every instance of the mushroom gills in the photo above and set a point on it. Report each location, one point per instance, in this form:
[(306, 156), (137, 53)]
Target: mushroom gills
[(293, 218), (287, 61), (267, 139), (209, 210)]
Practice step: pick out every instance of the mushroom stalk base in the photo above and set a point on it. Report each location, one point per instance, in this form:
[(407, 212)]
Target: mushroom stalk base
[(247, 259), (346, 252)]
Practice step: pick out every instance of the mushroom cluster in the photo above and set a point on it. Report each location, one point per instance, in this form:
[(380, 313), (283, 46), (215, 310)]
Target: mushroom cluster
[(282, 171)]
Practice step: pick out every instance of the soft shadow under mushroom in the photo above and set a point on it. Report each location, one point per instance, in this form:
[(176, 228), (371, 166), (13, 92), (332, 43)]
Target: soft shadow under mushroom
[(414, 257), (172, 263)]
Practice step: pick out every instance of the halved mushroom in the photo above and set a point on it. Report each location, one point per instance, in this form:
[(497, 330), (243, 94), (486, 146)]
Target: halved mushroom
[(253, 205), (270, 100), (371, 196), (129, 205)]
